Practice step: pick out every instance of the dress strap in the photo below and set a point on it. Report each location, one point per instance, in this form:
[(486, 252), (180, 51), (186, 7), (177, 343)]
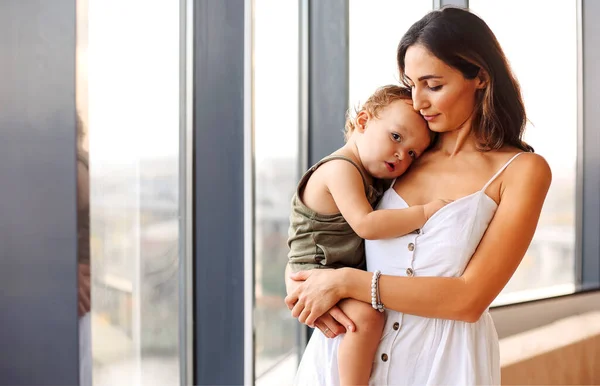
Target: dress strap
[(500, 171)]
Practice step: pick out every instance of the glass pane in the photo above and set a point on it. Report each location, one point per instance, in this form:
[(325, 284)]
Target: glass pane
[(542, 49), (376, 28), (130, 111), (276, 133)]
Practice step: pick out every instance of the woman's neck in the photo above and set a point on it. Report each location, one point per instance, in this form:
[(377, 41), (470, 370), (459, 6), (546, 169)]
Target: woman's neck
[(461, 140)]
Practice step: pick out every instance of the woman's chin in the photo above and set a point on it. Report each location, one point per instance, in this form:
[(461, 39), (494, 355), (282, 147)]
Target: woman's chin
[(438, 128)]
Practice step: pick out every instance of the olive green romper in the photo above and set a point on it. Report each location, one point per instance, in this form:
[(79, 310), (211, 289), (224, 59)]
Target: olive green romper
[(325, 240)]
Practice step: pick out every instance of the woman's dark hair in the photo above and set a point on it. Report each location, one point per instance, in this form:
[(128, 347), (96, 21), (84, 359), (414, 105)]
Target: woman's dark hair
[(463, 41)]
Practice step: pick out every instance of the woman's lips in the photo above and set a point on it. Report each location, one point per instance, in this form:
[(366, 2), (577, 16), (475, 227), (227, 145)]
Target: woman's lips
[(430, 118)]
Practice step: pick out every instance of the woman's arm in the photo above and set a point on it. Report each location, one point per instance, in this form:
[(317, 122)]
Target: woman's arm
[(464, 298)]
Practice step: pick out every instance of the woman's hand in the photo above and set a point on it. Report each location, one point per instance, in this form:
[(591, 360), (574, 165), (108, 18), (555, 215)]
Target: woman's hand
[(318, 293), (332, 323)]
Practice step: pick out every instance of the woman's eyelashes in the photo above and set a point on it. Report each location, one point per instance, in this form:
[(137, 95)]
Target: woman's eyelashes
[(432, 88)]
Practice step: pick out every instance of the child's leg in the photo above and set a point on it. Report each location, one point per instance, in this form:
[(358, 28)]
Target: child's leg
[(357, 350)]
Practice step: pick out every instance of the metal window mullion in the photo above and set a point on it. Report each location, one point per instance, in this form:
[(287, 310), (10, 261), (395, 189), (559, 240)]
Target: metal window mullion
[(39, 221), (249, 201), (186, 192), (589, 145), (328, 76), (219, 187)]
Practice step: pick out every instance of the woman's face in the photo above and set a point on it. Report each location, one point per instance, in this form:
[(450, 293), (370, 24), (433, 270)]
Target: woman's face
[(443, 96)]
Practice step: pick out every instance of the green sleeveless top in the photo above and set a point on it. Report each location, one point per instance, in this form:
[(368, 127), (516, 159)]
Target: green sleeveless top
[(325, 241)]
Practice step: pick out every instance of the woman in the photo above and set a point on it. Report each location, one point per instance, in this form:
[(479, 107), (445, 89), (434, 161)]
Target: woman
[(438, 282)]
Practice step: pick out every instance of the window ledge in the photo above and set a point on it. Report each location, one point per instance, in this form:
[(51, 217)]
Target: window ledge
[(563, 352), (518, 318)]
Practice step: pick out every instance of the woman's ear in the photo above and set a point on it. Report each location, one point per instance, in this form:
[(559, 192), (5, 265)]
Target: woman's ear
[(483, 79), (361, 121)]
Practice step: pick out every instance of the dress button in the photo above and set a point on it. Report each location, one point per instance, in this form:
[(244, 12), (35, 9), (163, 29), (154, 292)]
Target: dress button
[(411, 247), (396, 326), (384, 357), (410, 272)]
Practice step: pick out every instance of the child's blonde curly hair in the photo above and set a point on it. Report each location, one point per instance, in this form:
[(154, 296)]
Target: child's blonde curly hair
[(381, 98)]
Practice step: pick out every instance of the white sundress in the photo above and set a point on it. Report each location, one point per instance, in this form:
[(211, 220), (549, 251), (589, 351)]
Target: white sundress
[(415, 350)]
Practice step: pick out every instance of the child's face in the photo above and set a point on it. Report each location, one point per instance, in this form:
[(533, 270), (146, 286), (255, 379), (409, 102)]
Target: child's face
[(389, 143)]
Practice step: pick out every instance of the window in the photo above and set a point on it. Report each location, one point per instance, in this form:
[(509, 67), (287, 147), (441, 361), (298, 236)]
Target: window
[(542, 50), (375, 31), (276, 136), (128, 101)]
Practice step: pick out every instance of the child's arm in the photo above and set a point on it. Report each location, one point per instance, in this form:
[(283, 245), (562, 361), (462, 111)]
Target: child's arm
[(345, 185)]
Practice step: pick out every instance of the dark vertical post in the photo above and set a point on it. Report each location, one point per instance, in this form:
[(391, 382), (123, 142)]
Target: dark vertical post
[(590, 146), (219, 192), (38, 217), (328, 52)]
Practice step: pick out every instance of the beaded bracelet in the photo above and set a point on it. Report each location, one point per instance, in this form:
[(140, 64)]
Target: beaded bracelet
[(375, 299)]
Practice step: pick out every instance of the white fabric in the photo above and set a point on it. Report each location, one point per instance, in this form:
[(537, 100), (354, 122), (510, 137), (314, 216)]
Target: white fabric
[(423, 351)]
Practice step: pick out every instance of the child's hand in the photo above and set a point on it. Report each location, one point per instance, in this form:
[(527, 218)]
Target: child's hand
[(431, 207)]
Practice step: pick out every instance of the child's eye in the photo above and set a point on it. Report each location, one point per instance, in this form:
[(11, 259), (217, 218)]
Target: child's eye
[(396, 137), (412, 154)]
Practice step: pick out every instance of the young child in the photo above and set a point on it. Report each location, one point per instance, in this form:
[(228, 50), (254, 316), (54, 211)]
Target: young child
[(332, 210)]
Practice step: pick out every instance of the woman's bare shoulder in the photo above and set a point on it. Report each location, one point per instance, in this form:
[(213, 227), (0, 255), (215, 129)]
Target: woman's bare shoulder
[(529, 168)]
